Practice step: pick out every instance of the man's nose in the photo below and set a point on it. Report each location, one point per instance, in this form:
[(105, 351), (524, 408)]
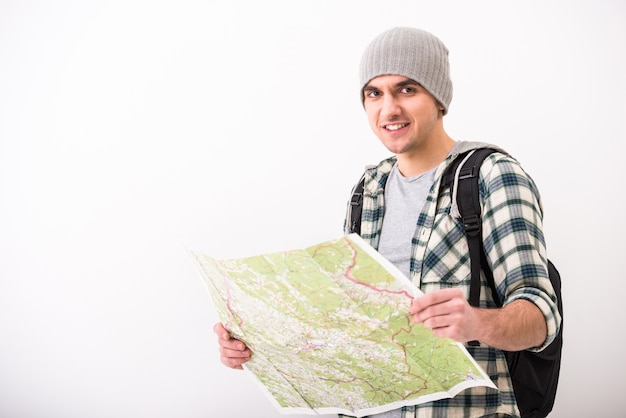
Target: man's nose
[(391, 107)]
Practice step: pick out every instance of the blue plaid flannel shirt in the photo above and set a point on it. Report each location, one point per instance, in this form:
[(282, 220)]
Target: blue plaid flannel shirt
[(515, 247)]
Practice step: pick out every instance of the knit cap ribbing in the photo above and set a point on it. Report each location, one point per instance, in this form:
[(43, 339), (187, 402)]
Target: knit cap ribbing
[(412, 53)]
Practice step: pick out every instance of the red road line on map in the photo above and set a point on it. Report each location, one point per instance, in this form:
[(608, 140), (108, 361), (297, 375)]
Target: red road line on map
[(351, 278), (397, 292), (408, 329)]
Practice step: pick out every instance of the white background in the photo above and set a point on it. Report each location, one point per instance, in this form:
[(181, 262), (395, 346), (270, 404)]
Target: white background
[(235, 127)]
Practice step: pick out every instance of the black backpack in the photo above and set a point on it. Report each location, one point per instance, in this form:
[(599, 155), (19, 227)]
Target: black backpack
[(535, 376)]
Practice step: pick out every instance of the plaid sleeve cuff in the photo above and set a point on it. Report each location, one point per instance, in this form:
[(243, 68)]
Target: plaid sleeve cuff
[(548, 308)]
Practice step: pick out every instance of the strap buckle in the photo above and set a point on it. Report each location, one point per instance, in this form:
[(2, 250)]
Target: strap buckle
[(467, 172), (471, 224)]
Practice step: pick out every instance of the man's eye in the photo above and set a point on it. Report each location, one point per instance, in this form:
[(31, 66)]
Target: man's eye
[(372, 93), (408, 90)]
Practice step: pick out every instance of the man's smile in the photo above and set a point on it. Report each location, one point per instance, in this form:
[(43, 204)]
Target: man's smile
[(395, 126)]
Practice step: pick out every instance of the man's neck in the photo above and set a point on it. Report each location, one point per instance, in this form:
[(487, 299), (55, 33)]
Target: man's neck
[(425, 158)]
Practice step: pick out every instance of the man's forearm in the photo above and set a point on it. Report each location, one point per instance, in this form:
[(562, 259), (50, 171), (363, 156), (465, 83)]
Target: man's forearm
[(517, 326)]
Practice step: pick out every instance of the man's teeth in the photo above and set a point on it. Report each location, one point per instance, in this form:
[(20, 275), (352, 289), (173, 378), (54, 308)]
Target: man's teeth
[(396, 126)]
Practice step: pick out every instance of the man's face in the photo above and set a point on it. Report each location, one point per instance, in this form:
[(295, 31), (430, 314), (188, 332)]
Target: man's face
[(402, 114)]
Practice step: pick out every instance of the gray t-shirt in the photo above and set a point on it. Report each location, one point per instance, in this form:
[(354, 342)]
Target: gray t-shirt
[(404, 199)]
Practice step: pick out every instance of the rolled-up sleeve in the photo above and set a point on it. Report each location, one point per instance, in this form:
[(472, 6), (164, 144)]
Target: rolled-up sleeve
[(514, 241)]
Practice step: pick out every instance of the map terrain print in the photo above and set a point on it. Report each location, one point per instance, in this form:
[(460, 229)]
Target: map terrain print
[(330, 332)]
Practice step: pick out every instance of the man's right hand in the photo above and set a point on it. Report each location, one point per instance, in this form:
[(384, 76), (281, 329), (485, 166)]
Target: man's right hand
[(233, 352)]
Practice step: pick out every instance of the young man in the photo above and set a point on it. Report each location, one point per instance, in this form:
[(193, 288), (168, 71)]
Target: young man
[(406, 91)]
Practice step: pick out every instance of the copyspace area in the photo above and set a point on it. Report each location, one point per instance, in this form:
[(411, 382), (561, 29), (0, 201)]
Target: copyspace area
[(129, 129)]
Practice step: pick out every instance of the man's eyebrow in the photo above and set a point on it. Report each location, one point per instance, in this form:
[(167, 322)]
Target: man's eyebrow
[(407, 82)]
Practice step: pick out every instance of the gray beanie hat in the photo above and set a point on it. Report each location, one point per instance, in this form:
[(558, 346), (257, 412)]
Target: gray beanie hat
[(412, 53)]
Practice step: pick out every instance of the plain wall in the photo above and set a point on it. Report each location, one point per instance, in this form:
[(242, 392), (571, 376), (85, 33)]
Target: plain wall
[(130, 127)]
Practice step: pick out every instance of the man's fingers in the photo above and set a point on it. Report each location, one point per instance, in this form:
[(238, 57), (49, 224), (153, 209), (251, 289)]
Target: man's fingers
[(436, 309), (221, 332), (232, 344), (433, 298), (232, 365), (233, 353), (229, 353), (226, 340), (233, 362), (234, 358)]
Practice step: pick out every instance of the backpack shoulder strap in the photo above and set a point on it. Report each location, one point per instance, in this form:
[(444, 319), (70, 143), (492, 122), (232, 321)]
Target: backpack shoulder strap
[(468, 201), (356, 206), (462, 177)]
